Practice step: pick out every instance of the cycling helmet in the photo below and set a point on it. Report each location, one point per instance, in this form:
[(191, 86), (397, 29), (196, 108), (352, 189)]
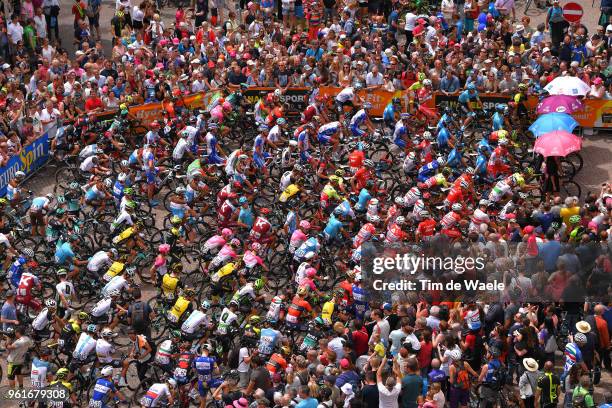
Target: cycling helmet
[(62, 373), (235, 242), (457, 207), (293, 143), (519, 179), (108, 182), (338, 211), (175, 334), (107, 371), (464, 184), (19, 174), (298, 167), (263, 128), (255, 320), (503, 142), (374, 219), (302, 291), (264, 210), (175, 220), (226, 232), (580, 338), (27, 252), (50, 303), (367, 105), (340, 172), (171, 382), (114, 252), (358, 86), (122, 177), (470, 170), (130, 205), (424, 213), (207, 346), (180, 190), (484, 202), (255, 246), (83, 316), (427, 82), (502, 133), (205, 304), (374, 201), (234, 303), (50, 196), (124, 163), (227, 106), (396, 101), (441, 161), (471, 87), (311, 272), (277, 93), (400, 201), (427, 135), (114, 293), (3, 202), (189, 292), (400, 220), (285, 350), (128, 191), (61, 272), (305, 225), (368, 163), (281, 121), (108, 333), (259, 284), (522, 86), (91, 328), (574, 219), (500, 107)]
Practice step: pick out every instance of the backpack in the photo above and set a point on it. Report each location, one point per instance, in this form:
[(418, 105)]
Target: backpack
[(579, 400), (138, 315), (462, 378), (496, 377), (232, 358)]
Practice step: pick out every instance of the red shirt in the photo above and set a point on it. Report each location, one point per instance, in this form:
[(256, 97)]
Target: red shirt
[(93, 102), (362, 176), (424, 355), (426, 228), (360, 342)]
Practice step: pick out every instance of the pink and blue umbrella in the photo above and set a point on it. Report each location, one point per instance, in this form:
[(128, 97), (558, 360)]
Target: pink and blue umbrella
[(557, 143), (559, 104), (551, 122)]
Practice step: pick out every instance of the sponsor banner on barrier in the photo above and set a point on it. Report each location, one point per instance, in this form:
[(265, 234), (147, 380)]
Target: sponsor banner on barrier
[(597, 113), (378, 98), (32, 157), (295, 98)]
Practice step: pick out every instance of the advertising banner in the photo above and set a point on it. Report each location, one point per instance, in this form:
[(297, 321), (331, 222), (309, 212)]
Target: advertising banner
[(32, 157)]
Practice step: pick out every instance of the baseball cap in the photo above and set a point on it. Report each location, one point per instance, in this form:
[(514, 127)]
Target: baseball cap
[(344, 363), (609, 27)]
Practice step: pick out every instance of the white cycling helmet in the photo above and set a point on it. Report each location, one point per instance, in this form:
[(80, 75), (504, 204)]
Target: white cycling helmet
[(50, 303), (108, 333), (122, 177), (400, 220), (427, 82), (108, 182), (484, 202), (400, 201), (374, 218), (374, 201), (427, 135), (172, 382), (124, 163), (424, 213), (457, 207), (106, 371), (180, 190), (441, 161)]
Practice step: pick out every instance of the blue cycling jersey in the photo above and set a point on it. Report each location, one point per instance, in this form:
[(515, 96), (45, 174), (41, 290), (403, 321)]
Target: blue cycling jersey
[(204, 366), (428, 170), (64, 253), (498, 121), (465, 96), (389, 113), (102, 391), (359, 118), (333, 227), (362, 201), (454, 158)]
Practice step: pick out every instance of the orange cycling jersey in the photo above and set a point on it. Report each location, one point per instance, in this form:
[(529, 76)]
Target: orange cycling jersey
[(276, 364), (297, 307)]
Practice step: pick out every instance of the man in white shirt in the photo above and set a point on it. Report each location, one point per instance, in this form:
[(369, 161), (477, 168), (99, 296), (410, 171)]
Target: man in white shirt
[(411, 19), (48, 116), (374, 78), (15, 30), (390, 389)]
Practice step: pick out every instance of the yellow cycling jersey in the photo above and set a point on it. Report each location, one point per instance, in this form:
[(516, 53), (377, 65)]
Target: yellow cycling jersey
[(65, 384), (331, 192), (115, 269), (169, 284), (224, 272), (123, 236), (179, 308), (289, 192), (328, 311), (72, 324)]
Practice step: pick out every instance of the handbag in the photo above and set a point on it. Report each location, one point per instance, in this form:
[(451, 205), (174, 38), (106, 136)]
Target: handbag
[(551, 344)]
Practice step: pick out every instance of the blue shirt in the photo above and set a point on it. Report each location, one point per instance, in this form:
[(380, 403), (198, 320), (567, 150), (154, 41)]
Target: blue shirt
[(64, 253), (204, 366), (308, 403), (348, 377), (246, 216), (8, 313), (498, 121), (449, 85), (102, 389), (333, 227), (549, 253), (362, 201), (318, 53), (465, 96)]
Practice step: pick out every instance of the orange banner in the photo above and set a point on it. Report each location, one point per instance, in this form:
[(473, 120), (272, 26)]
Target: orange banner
[(597, 113), (378, 98)]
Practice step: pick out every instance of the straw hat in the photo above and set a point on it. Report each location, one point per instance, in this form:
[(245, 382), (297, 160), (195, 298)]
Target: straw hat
[(583, 327), (530, 364)]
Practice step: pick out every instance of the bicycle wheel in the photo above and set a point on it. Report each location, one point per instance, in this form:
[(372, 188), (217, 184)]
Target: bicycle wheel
[(63, 178), (571, 189), (568, 169), (576, 159)]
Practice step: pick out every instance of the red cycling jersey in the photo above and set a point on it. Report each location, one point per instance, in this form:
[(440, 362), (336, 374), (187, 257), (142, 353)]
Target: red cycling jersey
[(261, 228), (426, 228)]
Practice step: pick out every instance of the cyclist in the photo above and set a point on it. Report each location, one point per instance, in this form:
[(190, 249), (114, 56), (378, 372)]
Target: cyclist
[(38, 210), (18, 267), (198, 323), (160, 393), (61, 383), (24, 290), (207, 371), (182, 307), (104, 389), (46, 322), (299, 305), (466, 98), (392, 112), (361, 118), (13, 192)]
